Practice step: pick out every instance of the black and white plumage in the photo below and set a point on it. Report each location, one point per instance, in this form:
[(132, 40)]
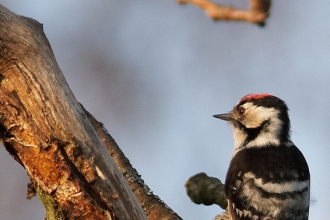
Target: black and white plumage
[(268, 177)]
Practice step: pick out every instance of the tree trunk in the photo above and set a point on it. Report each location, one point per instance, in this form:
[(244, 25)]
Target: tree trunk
[(50, 134)]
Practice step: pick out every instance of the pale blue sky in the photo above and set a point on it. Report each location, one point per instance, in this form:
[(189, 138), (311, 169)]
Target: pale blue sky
[(155, 72)]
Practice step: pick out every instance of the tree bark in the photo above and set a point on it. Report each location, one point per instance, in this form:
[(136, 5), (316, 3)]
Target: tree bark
[(50, 134), (154, 208)]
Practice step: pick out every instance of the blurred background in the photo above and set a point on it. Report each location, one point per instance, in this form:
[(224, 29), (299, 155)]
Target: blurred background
[(155, 72)]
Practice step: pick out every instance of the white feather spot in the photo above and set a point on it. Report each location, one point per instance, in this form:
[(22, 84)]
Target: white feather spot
[(289, 186)]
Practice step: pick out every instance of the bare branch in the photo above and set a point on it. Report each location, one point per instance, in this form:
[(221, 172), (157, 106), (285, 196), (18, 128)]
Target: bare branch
[(154, 208), (45, 129), (258, 13), (202, 189), (206, 190)]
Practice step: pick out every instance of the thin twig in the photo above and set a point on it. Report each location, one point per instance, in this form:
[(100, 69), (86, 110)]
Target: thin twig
[(258, 13)]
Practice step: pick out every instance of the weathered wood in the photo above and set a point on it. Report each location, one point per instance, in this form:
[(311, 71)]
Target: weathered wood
[(154, 208), (45, 129)]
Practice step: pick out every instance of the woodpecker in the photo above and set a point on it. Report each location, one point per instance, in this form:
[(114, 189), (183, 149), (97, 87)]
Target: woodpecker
[(268, 176)]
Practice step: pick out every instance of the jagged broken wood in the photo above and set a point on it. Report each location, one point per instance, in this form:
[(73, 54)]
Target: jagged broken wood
[(49, 133), (258, 13)]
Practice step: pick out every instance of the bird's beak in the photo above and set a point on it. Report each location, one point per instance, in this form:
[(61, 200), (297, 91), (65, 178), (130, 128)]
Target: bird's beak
[(226, 117)]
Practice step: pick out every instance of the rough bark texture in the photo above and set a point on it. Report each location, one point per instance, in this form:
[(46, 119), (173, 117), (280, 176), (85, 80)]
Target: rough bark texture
[(155, 208), (47, 131)]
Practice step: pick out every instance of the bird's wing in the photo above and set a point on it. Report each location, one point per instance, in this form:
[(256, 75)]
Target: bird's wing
[(268, 182)]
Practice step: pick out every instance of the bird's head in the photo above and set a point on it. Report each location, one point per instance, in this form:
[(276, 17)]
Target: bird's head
[(259, 120)]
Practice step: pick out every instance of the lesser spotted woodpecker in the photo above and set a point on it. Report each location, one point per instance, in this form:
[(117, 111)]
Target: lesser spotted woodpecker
[(268, 177)]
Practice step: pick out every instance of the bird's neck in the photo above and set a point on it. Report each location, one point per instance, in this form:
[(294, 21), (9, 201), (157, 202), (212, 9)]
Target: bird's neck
[(264, 138)]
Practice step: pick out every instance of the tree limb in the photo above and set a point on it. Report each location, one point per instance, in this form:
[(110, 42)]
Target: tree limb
[(258, 13), (202, 189), (49, 133), (155, 208)]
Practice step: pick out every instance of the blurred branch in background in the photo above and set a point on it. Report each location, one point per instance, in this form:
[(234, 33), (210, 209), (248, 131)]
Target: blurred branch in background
[(258, 13)]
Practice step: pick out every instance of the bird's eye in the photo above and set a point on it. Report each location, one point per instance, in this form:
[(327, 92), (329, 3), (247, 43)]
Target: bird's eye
[(241, 110)]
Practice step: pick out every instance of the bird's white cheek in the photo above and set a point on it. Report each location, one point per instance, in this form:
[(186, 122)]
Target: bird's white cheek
[(255, 116), (254, 120), (239, 137)]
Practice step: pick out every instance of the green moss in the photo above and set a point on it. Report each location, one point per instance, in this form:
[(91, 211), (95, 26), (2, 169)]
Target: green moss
[(52, 209)]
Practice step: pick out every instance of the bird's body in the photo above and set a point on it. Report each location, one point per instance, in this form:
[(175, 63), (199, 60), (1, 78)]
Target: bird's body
[(268, 177)]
